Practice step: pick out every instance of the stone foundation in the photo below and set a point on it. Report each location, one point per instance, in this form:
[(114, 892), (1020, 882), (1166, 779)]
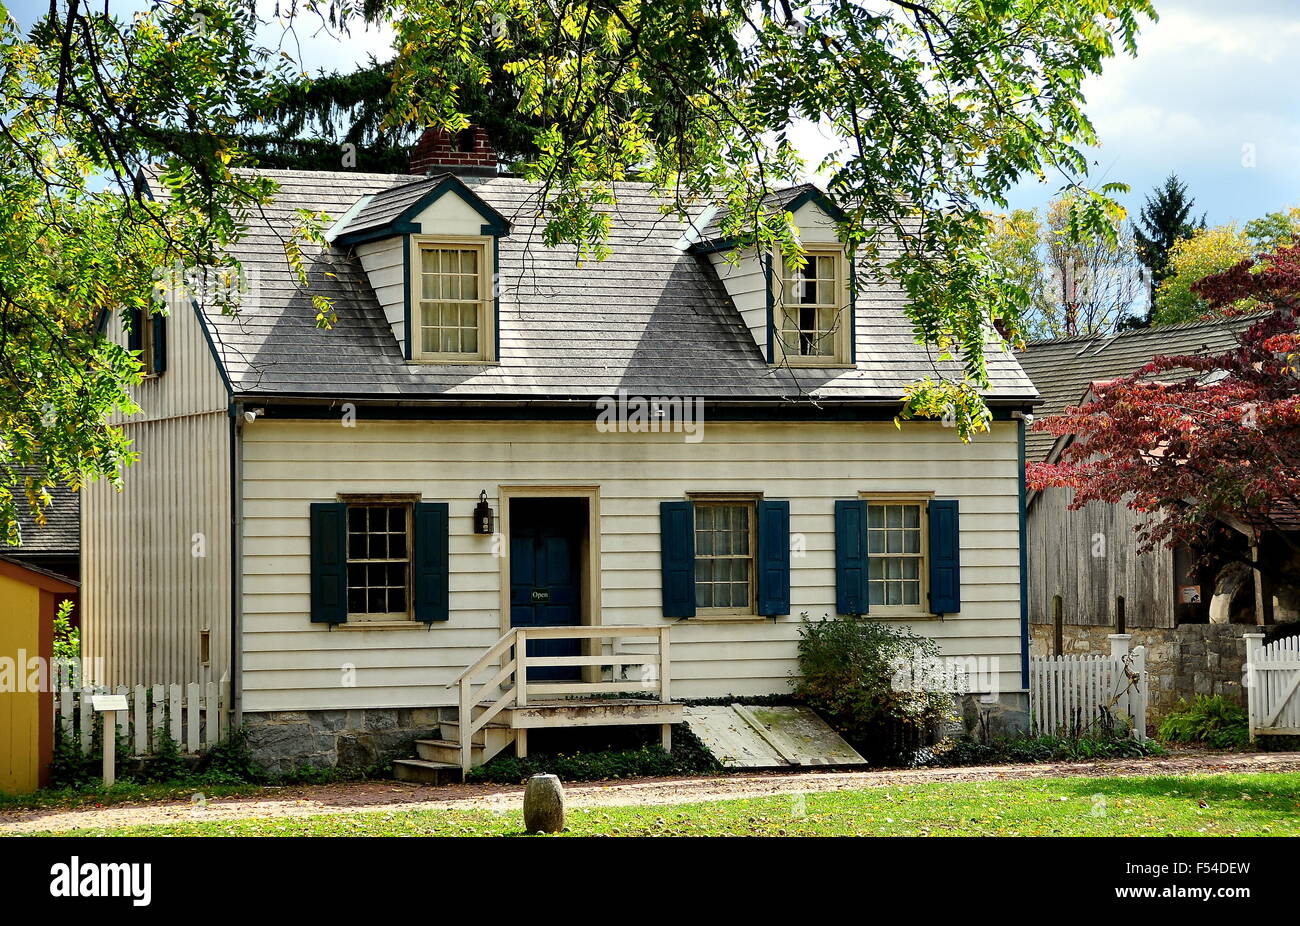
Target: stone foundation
[(1182, 662), (283, 741)]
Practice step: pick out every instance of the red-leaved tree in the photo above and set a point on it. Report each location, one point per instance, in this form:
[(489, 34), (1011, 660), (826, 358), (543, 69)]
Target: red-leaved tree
[(1199, 441)]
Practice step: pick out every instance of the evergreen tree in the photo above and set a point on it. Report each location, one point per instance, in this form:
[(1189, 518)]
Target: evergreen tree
[(1165, 219)]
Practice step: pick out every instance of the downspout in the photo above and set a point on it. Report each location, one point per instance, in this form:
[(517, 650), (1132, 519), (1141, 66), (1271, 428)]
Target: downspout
[(1023, 420), (236, 414)]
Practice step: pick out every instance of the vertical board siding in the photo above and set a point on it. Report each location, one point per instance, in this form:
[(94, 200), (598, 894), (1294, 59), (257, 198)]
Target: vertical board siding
[(289, 663), (145, 596), (1089, 557)]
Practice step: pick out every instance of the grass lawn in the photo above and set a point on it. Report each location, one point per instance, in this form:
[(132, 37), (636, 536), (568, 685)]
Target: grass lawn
[(1211, 805)]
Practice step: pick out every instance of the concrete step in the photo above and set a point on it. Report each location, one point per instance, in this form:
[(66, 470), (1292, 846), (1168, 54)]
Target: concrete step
[(447, 751), (425, 772)]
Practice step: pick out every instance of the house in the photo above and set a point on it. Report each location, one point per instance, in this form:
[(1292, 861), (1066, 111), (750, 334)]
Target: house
[(650, 467), (1086, 576), (55, 544), (29, 600)]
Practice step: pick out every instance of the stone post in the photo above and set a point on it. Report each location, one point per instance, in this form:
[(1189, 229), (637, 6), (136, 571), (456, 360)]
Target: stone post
[(543, 805)]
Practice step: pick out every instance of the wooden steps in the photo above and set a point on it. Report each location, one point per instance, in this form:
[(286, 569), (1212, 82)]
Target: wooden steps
[(428, 773)]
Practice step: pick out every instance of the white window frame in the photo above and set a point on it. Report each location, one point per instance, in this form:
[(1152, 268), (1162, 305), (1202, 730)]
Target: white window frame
[(750, 501), (407, 503), (484, 244), (922, 608), (841, 354)]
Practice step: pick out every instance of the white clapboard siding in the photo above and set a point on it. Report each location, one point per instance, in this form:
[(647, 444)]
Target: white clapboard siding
[(1070, 694), (195, 716), (292, 664), (1273, 689)]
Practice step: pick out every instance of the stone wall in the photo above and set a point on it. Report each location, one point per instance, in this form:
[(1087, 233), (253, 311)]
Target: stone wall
[(283, 741), (1182, 661)]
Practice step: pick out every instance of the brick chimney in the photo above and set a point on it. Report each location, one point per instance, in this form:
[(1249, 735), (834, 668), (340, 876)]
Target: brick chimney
[(468, 153)]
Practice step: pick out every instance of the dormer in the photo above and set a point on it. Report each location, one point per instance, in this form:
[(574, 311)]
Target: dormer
[(429, 248), (798, 316)]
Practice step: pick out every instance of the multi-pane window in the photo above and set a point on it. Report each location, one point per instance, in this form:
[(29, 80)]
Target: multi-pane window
[(379, 560), (810, 316), (895, 545), (452, 299), (724, 555)]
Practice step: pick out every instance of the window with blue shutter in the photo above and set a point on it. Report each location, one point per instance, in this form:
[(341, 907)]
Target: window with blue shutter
[(945, 557), (135, 334), (677, 553), (430, 562), (329, 562), (773, 557), (851, 556)]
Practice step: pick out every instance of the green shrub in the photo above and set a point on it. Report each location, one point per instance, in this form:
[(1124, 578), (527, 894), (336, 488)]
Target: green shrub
[(848, 669), (231, 761), (1209, 719), (967, 751), (688, 757)]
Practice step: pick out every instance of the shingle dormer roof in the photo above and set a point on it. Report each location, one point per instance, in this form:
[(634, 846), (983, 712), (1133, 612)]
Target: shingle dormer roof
[(60, 535), (651, 319), (388, 211), (707, 234)]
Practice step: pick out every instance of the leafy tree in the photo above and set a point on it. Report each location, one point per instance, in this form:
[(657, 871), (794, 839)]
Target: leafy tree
[(1275, 230), (86, 99), (1208, 251), (1195, 449), (1165, 219), (940, 106), (1074, 286)]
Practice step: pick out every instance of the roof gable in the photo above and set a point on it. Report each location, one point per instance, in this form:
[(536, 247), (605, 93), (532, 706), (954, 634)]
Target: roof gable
[(393, 211), (710, 238)]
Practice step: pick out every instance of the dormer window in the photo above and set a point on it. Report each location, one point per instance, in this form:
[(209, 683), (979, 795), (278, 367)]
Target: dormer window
[(812, 310), (453, 290)]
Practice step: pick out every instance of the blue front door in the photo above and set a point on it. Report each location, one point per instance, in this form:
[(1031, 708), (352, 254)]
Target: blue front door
[(545, 537)]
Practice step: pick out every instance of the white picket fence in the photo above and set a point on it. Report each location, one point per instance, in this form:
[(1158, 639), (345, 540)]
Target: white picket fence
[(1273, 685), (194, 714), (1072, 694)]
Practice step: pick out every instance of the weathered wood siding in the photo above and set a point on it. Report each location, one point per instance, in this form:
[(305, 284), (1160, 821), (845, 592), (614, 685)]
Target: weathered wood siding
[(146, 593), (1089, 557), (289, 663)]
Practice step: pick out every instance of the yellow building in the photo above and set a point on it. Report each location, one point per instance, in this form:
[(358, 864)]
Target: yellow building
[(29, 600)]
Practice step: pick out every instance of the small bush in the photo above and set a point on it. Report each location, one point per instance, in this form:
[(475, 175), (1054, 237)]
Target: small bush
[(231, 761), (968, 751), (688, 757), (848, 669), (1209, 719)]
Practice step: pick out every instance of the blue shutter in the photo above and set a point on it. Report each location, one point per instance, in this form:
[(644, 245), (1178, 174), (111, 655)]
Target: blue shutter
[(851, 589), (945, 557), (135, 336), (773, 558), (159, 322), (329, 562), (430, 562), (677, 549)]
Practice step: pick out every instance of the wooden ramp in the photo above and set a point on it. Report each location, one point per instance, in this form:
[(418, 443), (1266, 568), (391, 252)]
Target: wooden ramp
[(751, 736)]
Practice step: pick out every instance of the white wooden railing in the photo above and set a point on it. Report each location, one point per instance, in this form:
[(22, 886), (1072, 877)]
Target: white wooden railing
[(1273, 685), (195, 714), (1069, 694), (508, 686)]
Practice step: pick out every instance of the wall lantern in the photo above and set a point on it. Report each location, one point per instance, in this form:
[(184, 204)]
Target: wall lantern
[(482, 515)]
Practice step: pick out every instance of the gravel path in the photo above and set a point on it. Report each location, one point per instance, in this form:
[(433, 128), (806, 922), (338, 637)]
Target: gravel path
[(371, 796)]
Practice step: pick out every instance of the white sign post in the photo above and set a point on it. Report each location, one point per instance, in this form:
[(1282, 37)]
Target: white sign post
[(109, 705)]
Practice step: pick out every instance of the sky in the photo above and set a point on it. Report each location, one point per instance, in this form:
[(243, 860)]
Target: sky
[(1212, 96)]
